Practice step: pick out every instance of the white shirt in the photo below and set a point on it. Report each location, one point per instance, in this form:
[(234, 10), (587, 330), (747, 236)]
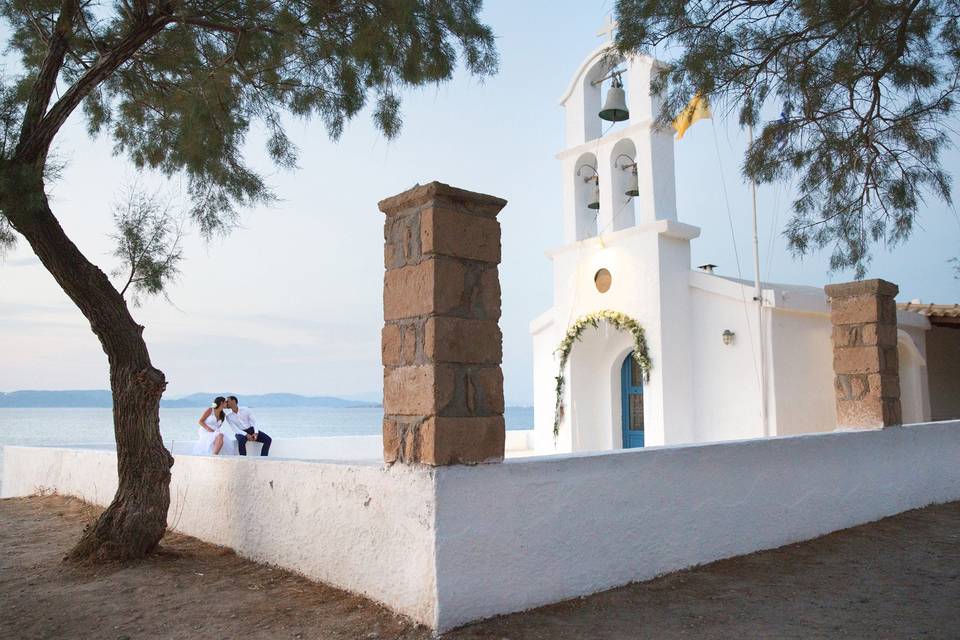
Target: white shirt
[(242, 419)]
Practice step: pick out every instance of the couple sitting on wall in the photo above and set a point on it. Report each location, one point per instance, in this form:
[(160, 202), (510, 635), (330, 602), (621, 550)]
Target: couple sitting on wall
[(226, 428)]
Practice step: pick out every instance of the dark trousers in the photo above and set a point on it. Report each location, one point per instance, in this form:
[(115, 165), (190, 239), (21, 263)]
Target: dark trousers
[(262, 438)]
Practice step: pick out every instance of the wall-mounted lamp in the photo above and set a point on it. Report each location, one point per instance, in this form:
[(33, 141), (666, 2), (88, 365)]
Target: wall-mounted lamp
[(594, 201), (615, 106), (728, 336), (633, 187)]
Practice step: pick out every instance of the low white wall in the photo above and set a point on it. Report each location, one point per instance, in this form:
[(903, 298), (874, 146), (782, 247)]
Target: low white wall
[(364, 528), (531, 532), (353, 448), (346, 448), (457, 544)]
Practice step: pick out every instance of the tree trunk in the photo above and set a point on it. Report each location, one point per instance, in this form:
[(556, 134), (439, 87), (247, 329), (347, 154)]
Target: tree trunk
[(136, 520)]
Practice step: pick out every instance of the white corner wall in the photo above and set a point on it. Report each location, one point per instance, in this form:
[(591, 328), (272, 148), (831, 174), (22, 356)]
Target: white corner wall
[(527, 533), (457, 544), (364, 528)]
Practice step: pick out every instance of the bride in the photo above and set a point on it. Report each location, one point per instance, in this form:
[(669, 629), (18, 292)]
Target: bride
[(216, 433)]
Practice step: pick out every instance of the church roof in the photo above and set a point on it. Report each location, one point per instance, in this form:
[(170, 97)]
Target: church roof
[(798, 288), (946, 313), (781, 296)]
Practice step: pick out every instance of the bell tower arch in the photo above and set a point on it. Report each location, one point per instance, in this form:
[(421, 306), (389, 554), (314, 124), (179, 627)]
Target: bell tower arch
[(610, 116)]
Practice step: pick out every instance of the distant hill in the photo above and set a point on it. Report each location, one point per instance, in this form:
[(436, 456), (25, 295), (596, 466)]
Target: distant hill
[(83, 399), (268, 400), (43, 399)]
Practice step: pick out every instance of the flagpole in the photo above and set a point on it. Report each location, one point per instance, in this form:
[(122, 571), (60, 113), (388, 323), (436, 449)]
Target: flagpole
[(758, 298)]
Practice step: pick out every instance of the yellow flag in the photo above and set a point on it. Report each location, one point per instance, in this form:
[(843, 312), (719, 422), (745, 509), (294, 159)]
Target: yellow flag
[(698, 109)]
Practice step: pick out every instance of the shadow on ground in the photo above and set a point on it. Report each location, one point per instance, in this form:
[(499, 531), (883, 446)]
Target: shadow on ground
[(896, 578)]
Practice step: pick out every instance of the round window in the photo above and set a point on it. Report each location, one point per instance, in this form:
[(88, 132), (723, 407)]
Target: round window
[(603, 280)]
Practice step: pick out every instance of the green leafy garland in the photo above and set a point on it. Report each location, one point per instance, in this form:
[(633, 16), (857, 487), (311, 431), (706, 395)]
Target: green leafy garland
[(619, 321)]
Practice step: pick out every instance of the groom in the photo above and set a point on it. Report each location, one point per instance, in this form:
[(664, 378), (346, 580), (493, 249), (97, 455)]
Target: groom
[(241, 418)]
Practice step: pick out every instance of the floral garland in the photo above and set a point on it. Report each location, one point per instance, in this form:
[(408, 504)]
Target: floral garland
[(619, 321)]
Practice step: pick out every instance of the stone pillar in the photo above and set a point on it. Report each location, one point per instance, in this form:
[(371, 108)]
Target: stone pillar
[(442, 346), (865, 361)]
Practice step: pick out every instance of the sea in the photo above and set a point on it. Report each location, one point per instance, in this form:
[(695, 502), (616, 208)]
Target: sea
[(95, 426)]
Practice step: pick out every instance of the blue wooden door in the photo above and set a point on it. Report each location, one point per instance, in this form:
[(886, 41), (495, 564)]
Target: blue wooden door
[(631, 403)]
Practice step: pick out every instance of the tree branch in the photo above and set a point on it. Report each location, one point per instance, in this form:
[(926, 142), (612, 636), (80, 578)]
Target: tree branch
[(34, 149), (49, 70)]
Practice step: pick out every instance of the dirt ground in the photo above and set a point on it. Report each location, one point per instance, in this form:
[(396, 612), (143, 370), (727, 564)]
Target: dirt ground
[(897, 578)]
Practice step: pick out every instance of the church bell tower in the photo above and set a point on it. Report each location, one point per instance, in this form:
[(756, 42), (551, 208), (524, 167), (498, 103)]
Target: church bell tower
[(614, 177), (624, 251)]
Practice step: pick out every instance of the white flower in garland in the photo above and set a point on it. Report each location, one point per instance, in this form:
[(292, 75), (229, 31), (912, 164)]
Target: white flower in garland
[(618, 320)]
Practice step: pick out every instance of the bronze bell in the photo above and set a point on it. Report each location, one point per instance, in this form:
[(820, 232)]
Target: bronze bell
[(615, 106)]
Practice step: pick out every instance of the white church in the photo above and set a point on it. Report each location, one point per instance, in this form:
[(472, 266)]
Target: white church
[(723, 365)]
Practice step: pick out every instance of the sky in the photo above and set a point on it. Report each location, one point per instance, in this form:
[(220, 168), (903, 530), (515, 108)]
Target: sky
[(292, 299)]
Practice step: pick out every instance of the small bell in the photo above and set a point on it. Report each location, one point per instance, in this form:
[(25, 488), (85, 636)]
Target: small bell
[(633, 187), (615, 106), (595, 197)]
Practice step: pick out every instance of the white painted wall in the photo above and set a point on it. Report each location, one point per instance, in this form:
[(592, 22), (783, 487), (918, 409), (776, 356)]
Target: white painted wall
[(338, 448), (526, 533), (649, 265), (802, 394), (456, 544), (725, 393), (700, 389), (364, 528)]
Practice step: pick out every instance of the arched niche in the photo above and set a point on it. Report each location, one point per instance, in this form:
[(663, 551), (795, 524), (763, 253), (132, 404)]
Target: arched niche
[(624, 213), (593, 92), (583, 187), (912, 373)]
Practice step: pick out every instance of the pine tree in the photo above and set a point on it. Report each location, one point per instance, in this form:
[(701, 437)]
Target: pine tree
[(177, 85), (865, 91)]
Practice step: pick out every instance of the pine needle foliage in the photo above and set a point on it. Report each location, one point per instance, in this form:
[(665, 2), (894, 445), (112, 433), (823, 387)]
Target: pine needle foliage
[(178, 84), (867, 90)]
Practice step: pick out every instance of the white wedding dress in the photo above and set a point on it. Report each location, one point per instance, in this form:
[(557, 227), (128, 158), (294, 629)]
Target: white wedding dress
[(204, 445)]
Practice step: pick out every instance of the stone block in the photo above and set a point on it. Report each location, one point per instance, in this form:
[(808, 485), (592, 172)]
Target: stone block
[(892, 412), (402, 245), (469, 390), (451, 290), (884, 385), (391, 440), (864, 335), (869, 413), (880, 334), (888, 311), (866, 413), (390, 345), (410, 391), (459, 235), (401, 438), (448, 339), (411, 343), (850, 387), (856, 360), (847, 335), (856, 310), (890, 360), (464, 440), (408, 292), (439, 441), (862, 288), (487, 300), (443, 195)]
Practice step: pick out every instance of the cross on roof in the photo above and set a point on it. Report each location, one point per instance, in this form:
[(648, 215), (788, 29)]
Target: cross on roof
[(606, 31)]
